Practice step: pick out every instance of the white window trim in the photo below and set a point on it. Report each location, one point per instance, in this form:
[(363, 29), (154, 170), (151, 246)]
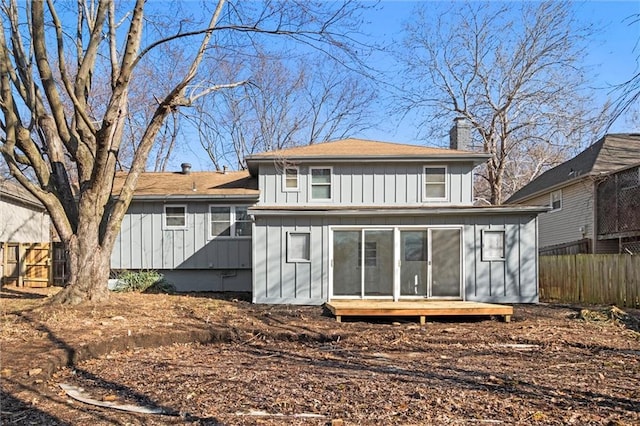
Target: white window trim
[(232, 223), (315, 200), (551, 200), (164, 217), (290, 256), (486, 258), (446, 182), (284, 179)]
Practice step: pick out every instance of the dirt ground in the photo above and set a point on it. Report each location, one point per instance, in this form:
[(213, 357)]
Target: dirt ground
[(211, 359)]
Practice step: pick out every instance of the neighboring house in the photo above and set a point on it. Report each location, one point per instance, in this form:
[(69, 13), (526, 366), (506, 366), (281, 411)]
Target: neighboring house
[(594, 199), (23, 219), (344, 219)]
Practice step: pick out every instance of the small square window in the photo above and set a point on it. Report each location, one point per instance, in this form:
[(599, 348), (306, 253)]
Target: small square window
[(175, 217), (290, 177), (493, 245), (299, 247), (556, 200)]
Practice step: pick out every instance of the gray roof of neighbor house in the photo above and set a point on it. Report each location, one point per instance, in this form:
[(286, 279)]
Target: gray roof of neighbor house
[(610, 153), (17, 193), (192, 185), (362, 149)]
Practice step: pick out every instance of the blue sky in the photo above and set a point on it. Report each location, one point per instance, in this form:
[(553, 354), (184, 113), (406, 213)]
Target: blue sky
[(612, 59)]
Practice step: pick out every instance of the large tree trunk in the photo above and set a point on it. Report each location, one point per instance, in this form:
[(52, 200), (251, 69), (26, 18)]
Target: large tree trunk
[(89, 266)]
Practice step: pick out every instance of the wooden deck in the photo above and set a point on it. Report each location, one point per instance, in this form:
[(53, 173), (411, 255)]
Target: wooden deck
[(417, 308)]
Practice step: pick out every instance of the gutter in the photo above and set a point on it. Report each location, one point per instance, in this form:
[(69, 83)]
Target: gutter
[(421, 211), (189, 197)]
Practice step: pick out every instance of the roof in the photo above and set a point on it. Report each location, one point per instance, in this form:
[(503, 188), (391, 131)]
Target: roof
[(17, 193), (362, 149), (610, 153), (163, 185)]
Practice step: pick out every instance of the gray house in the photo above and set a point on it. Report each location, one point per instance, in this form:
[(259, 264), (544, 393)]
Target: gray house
[(350, 219), (593, 199)]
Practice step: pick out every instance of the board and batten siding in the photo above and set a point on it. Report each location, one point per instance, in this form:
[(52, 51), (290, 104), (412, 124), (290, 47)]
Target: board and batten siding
[(367, 184), (512, 280), (143, 243), (573, 222)]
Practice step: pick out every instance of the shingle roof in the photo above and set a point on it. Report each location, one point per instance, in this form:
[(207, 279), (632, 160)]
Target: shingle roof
[(610, 153), (193, 184), (16, 192), (360, 148)]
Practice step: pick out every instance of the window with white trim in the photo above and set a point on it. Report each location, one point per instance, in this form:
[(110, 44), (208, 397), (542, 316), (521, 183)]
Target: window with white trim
[(320, 183), (175, 216), (299, 247), (229, 221), (493, 245), (290, 178), (556, 200), (435, 183)]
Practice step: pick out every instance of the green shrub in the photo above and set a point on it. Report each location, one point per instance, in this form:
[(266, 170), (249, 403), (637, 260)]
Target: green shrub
[(143, 281)]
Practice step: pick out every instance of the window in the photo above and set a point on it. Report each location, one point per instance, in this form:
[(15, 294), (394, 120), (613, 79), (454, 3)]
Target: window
[(435, 183), (320, 183), (290, 178), (299, 247), (556, 200), (371, 253), (229, 221), (492, 245), (175, 217)]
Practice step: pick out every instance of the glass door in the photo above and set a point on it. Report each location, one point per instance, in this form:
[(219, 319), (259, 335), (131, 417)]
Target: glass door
[(377, 261), (347, 276), (445, 263), (396, 262), (413, 263)]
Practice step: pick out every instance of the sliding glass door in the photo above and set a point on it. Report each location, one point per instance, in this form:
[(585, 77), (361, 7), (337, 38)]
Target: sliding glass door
[(397, 262)]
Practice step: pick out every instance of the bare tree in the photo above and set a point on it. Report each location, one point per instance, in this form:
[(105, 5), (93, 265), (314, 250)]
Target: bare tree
[(54, 131), (514, 72), (287, 102), (627, 93)]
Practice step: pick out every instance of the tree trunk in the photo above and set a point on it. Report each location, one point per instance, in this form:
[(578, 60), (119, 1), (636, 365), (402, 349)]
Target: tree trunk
[(89, 266)]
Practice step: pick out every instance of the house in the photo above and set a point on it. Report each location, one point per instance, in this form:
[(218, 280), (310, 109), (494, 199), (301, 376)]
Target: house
[(24, 227), (593, 199), (351, 219)]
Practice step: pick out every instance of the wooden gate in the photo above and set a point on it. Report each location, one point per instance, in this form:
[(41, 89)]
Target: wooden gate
[(26, 264)]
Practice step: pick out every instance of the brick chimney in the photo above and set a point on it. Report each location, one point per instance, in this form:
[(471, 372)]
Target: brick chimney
[(460, 134), (186, 168)]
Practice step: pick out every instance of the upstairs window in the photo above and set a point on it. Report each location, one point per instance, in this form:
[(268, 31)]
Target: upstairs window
[(320, 183), (290, 178), (556, 200), (229, 221), (175, 217), (435, 183)]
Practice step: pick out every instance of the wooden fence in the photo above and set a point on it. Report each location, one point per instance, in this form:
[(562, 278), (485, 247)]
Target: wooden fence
[(591, 278)]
